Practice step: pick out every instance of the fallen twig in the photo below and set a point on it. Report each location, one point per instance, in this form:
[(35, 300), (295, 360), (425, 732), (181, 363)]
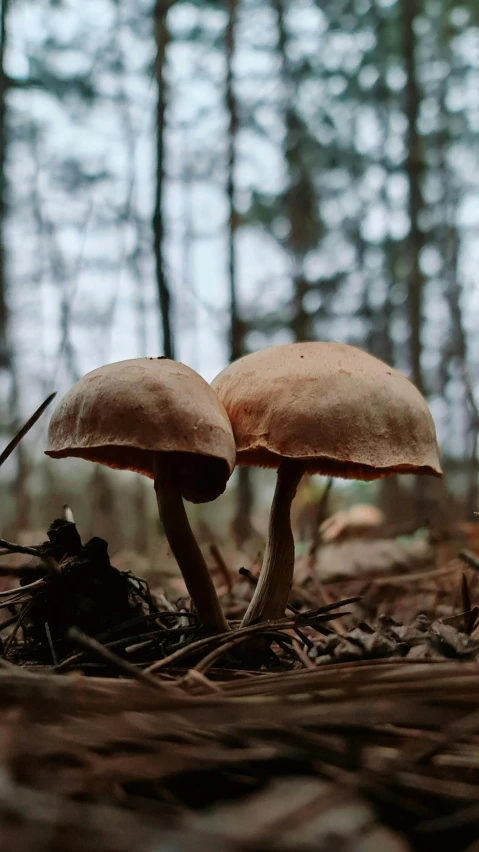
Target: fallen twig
[(469, 559), (37, 584), (399, 579), (221, 564), (50, 642), (11, 547), (322, 613), (118, 663), (25, 429), (19, 621), (302, 656)]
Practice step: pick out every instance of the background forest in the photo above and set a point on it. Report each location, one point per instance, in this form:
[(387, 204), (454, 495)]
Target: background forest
[(202, 179)]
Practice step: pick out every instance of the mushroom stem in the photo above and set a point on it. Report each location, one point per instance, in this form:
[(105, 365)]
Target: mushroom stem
[(185, 548), (274, 585)]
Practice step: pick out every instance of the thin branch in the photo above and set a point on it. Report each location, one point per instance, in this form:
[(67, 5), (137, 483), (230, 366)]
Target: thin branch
[(25, 429), (10, 547), (99, 650)]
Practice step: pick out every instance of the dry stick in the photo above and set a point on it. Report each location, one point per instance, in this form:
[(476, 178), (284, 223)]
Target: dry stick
[(326, 597), (211, 658), (16, 570), (471, 620), (304, 639), (302, 656), (26, 428), (350, 690), (20, 589), (466, 598), (19, 600), (8, 622), (221, 564), (466, 602), (208, 640), (150, 637), (73, 658), (360, 671), (409, 578), (331, 671), (468, 558), (282, 624), (50, 642), (248, 574), (77, 635), (450, 734), (10, 547), (18, 624), (195, 675)]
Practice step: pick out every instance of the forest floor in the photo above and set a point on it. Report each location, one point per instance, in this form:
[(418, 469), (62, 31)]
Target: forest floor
[(124, 727)]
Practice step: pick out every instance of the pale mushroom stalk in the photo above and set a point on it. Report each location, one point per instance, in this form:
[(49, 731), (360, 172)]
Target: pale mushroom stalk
[(274, 585), (185, 548)]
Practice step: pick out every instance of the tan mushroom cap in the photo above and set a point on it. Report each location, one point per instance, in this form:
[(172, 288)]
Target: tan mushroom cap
[(332, 405), (122, 414)]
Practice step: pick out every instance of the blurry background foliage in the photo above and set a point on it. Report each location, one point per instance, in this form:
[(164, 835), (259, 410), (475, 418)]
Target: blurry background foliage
[(202, 179)]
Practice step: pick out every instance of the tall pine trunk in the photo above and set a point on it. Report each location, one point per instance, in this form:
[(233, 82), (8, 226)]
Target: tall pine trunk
[(7, 362), (242, 524), (5, 352), (300, 200), (414, 168), (449, 239), (164, 296), (409, 10)]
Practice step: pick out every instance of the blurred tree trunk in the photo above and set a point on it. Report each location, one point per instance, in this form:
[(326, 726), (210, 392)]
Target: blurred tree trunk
[(384, 347), (410, 9), (414, 242), (131, 218), (104, 517), (393, 499), (5, 352), (242, 524), (299, 320), (23, 502), (236, 326), (301, 202), (22, 496), (456, 348), (140, 509), (459, 351), (164, 296)]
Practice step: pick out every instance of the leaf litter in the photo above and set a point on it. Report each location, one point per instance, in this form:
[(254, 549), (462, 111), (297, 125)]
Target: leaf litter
[(124, 726)]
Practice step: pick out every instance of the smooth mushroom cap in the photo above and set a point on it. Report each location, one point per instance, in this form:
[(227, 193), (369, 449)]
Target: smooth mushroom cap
[(331, 405), (122, 414)]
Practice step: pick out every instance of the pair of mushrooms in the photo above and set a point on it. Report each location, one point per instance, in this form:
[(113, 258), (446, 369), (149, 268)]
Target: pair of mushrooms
[(302, 408)]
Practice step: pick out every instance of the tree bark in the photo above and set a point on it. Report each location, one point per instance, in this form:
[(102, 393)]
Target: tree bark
[(5, 351), (414, 168), (449, 240), (242, 524), (300, 199), (164, 295), (236, 327)]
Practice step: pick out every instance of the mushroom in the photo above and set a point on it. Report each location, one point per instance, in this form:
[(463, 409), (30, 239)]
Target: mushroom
[(361, 520), (326, 408), (159, 418)]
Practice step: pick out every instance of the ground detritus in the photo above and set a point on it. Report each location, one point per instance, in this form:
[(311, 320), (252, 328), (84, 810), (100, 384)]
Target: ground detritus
[(355, 731)]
